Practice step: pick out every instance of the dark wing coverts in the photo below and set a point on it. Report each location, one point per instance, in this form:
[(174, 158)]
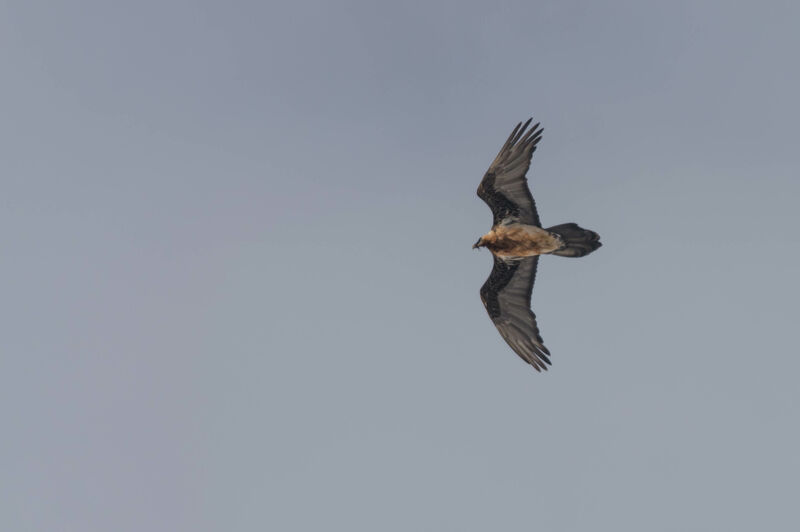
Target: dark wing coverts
[(504, 187), (507, 297)]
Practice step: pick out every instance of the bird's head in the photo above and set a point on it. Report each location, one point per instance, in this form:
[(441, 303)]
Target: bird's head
[(478, 244)]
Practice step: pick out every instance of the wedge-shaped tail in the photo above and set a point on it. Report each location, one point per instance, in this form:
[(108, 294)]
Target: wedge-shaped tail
[(577, 240)]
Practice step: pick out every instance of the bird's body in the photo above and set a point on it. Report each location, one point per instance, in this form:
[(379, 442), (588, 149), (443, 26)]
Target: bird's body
[(520, 240), (516, 240)]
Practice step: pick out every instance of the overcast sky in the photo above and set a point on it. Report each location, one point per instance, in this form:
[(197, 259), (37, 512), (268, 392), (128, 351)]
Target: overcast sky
[(238, 291)]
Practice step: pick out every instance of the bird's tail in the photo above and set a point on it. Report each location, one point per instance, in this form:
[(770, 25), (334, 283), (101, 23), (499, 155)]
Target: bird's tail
[(577, 240)]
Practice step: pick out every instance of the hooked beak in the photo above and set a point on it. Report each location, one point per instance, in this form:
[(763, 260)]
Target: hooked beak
[(477, 244)]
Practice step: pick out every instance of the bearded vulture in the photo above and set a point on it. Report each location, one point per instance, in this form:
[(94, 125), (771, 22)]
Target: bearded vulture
[(516, 240)]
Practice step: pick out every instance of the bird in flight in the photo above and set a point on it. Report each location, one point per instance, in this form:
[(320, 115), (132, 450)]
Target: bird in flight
[(516, 240)]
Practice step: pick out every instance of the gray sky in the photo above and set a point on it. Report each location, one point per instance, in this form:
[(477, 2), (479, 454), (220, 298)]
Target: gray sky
[(238, 289)]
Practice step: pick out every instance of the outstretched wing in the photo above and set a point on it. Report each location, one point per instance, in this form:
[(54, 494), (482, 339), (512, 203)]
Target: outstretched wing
[(506, 294), (504, 187)]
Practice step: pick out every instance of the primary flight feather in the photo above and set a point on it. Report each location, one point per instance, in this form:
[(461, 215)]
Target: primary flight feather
[(516, 240)]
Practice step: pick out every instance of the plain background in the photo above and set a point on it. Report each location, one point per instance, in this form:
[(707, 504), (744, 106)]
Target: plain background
[(238, 289)]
